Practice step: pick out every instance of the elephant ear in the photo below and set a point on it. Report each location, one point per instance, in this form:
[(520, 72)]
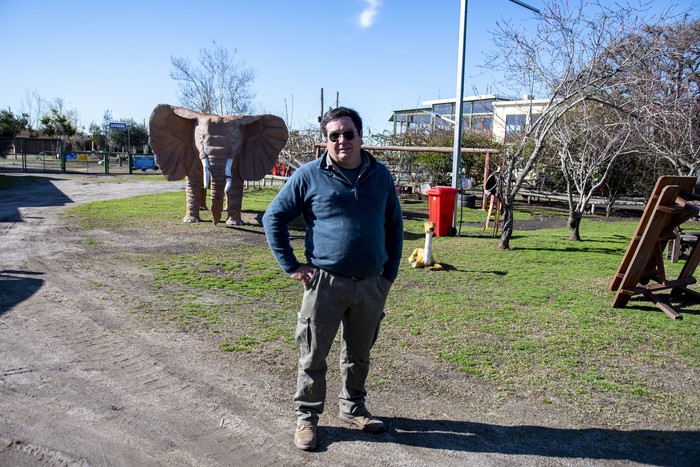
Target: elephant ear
[(264, 138), (172, 139)]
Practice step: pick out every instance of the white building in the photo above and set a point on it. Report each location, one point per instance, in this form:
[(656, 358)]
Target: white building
[(501, 116), (515, 117)]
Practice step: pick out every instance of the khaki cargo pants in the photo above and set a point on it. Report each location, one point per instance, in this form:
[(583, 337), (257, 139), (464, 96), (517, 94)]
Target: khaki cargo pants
[(332, 301)]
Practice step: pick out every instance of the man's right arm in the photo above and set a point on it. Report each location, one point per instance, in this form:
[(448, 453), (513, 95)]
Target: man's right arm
[(281, 211)]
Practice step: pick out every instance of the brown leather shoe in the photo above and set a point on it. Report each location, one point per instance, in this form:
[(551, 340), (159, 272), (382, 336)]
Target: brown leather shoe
[(305, 437), (365, 421)]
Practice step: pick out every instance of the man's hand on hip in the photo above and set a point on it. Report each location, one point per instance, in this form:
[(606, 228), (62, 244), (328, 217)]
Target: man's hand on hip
[(303, 274)]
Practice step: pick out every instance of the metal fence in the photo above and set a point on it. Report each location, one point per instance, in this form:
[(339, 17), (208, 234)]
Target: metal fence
[(15, 156)]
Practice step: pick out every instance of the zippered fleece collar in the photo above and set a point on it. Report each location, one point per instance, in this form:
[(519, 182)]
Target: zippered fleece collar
[(329, 166)]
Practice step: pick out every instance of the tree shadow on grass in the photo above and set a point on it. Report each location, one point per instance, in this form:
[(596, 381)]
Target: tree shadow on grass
[(654, 447), (450, 268)]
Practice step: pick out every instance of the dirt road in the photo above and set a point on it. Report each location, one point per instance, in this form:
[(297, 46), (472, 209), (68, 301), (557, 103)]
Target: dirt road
[(83, 382)]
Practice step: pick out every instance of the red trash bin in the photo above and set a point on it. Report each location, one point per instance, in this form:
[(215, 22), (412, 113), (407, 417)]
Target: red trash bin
[(441, 206)]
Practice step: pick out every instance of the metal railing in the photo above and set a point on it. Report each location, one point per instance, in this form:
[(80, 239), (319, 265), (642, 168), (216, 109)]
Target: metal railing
[(84, 162)]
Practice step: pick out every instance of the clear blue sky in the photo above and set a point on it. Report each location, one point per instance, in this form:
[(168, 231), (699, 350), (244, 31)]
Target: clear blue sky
[(115, 55)]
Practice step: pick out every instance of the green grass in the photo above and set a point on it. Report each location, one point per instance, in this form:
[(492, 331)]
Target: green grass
[(541, 313), (536, 319), (137, 211)]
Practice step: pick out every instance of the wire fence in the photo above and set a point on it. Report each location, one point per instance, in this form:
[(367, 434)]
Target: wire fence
[(47, 156)]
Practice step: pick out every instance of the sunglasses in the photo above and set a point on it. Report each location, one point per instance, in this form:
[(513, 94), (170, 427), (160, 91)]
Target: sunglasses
[(348, 135)]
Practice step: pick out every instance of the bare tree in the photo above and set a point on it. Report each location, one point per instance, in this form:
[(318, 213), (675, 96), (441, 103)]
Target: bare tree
[(634, 174), (666, 91), (300, 147), (216, 84), (34, 106), (575, 53), (589, 139)]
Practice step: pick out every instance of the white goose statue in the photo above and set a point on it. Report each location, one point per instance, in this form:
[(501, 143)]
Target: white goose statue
[(423, 257)]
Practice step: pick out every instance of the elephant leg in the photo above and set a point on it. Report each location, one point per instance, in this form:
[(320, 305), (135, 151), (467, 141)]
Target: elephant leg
[(234, 200), (193, 193)]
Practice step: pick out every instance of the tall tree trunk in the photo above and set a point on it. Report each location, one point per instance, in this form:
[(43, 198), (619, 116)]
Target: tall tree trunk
[(507, 230), (608, 209), (573, 223)]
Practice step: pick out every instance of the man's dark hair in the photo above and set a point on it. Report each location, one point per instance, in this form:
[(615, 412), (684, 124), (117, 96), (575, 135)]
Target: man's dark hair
[(340, 112)]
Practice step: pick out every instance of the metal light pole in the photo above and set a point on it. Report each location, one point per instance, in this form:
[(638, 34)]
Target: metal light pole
[(461, 55), (457, 148)]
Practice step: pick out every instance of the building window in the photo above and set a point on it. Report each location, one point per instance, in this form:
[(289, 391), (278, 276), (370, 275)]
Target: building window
[(515, 123), (482, 123), (440, 123), (422, 119), (444, 109), (483, 107), (404, 121)]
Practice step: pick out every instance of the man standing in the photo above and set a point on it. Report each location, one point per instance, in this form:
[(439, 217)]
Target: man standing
[(353, 247)]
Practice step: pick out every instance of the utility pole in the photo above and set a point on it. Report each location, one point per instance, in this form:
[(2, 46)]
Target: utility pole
[(320, 116)]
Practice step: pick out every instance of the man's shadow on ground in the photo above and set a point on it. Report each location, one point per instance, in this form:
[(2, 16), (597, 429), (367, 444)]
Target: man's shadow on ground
[(655, 447)]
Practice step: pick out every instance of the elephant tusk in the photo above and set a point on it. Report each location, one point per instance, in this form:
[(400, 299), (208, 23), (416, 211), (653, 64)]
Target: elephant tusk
[(229, 164), (207, 172)]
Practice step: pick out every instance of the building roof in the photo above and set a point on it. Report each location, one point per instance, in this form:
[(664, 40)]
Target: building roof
[(483, 97), (415, 110), (521, 102)]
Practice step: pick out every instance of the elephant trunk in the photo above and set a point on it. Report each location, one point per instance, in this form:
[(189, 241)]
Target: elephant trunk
[(217, 170)]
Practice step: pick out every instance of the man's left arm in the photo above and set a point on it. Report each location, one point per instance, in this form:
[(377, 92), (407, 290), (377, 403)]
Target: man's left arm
[(394, 234)]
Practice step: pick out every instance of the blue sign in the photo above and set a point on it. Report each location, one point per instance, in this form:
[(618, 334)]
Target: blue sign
[(118, 125), (144, 162)]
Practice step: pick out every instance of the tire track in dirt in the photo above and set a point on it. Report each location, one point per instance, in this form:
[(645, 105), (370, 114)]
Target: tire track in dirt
[(82, 375), (78, 365)]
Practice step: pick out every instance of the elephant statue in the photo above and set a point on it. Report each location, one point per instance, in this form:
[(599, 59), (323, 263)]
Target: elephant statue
[(214, 152)]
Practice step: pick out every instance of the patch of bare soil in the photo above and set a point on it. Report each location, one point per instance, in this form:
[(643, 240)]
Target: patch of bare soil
[(85, 381)]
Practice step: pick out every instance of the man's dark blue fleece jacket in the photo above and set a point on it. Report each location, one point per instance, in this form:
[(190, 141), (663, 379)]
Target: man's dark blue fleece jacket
[(352, 230)]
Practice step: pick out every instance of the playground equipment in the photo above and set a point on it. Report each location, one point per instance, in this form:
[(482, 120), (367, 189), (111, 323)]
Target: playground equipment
[(492, 196), (642, 269), (492, 193)]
